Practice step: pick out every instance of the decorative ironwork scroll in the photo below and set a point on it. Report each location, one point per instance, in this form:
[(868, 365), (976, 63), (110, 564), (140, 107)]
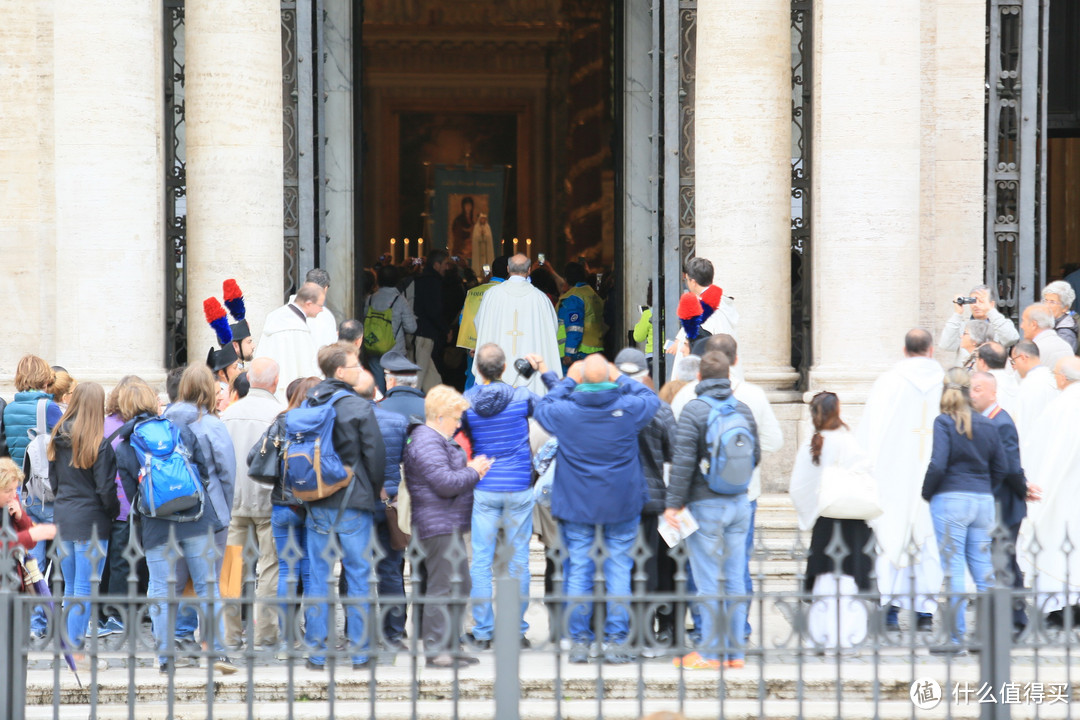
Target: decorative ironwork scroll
[(1016, 151), (687, 96), (290, 101), (801, 120), (175, 187)]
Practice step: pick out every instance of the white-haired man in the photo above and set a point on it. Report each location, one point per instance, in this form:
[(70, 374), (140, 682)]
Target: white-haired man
[(1037, 386), (1037, 323), (1002, 328), (1059, 297)]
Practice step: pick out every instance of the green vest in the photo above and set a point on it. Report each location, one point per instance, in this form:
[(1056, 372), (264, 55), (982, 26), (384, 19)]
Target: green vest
[(592, 340), (467, 332)]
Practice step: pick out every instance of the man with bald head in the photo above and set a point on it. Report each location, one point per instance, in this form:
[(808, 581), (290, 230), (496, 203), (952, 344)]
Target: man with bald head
[(1037, 324), (288, 338), (246, 420), (1052, 460), (1011, 494), (596, 413), (521, 320)]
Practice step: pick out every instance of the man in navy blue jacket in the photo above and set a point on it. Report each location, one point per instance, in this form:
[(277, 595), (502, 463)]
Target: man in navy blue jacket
[(1011, 494), (597, 413)]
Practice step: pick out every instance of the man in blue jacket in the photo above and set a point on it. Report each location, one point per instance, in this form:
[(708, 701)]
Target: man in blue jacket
[(597, 413), (1011, 494)]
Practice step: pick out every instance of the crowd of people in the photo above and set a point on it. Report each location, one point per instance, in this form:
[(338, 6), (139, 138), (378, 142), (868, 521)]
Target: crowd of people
[(543, 435)]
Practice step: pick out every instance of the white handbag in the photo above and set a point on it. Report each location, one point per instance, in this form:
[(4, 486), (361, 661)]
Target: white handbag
[(848, 494)]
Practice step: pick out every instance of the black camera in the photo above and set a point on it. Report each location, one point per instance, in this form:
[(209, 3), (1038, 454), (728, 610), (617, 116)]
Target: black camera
[(966, 300), (524, 368)]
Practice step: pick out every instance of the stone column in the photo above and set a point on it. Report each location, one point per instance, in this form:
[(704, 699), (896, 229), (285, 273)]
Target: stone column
[(866, 180), (108, 182), (234, 159), (743, 154)]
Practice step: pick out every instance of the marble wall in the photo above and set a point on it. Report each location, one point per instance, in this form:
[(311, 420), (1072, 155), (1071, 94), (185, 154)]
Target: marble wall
[(339, 175)]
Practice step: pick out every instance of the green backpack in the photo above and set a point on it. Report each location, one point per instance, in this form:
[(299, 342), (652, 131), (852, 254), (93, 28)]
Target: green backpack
[(379, 329)]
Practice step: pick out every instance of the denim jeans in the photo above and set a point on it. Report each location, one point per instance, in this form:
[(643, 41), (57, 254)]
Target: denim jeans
[(962, 523), (40, 513), (718, 552), (198, 566), (749, 552), (188, 619), (78, 569), (388, 570), (353, 535), (618, 567), (513, 512), (286, 523)]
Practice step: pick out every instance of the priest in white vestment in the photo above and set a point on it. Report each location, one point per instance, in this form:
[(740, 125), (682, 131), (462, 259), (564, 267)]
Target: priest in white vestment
[(896, 432), (1052, 463), (1037, 388), (288, 340), (521, 320), (323, 325)]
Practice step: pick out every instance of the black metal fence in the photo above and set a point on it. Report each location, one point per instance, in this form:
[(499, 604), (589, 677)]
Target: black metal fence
[(863, 667)]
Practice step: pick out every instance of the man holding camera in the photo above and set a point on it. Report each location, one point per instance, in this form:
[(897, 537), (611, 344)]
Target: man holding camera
[(983, 308)]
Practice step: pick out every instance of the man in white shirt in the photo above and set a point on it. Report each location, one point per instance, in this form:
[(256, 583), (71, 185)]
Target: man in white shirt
[(1037, 386), (287, 338), (1037, 323)]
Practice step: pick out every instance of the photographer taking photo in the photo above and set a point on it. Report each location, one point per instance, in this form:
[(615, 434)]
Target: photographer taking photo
[(983, 308)]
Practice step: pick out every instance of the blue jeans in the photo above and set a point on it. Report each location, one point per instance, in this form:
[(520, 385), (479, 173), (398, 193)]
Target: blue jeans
[(285, 524), (718, 552), (388, 571), (78, 569), (39, 513), (618, 567), (962, 523), (353, 535), (188, 619), (197, 565), (749, 552), (513, 512)]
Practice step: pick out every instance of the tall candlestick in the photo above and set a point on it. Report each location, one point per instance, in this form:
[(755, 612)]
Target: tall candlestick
[(419, 247), (528, 246), (393, 259), (515, 246), (406, 249)]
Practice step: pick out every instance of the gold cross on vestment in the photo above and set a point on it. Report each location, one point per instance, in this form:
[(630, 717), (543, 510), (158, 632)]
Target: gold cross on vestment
[(923, 431), (515, 333)]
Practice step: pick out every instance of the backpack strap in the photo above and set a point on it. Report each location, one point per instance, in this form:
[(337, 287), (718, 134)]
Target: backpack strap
[(42, 407)]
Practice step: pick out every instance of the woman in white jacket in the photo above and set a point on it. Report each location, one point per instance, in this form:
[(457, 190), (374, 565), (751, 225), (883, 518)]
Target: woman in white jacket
[(838, 619)]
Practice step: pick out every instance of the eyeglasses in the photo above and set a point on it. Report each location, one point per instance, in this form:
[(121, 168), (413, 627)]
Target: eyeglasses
[(351, 367)]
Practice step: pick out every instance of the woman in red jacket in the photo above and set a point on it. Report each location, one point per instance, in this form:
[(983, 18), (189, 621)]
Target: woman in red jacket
[(27, 534)]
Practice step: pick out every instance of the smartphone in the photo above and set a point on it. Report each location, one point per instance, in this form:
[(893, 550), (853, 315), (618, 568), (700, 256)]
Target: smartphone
[(541, 258), (487, 269)]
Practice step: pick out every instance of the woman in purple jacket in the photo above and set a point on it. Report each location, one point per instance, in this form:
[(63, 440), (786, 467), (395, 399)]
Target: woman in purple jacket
[(440, 483)]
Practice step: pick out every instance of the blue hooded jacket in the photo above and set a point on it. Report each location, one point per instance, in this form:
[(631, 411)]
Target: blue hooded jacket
[(497, 423), (598, 477)]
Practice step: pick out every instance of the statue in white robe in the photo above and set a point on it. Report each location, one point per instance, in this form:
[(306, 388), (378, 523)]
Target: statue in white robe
[(896, 432), (521, 320)]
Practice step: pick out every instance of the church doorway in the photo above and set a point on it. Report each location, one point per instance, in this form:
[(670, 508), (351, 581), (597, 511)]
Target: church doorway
[(1063, 145), (494, 107)]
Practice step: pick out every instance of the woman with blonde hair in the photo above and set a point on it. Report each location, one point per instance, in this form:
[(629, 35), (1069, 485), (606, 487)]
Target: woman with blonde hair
[(62, 387), (82, 472), (966, 462), (440, 482)]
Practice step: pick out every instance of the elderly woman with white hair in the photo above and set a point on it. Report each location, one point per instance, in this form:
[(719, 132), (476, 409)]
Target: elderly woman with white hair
[(1059, 297)]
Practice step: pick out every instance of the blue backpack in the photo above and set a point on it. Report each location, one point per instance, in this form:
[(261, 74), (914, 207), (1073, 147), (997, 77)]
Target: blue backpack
[(168, 484), (312, 469), (729, 441)]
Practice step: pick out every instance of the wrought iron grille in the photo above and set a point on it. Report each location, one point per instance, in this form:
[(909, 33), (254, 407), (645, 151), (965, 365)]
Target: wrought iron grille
[(802, 47), (1017, 35), (687, 95), (175, 187), (290, 96), (827, 648)]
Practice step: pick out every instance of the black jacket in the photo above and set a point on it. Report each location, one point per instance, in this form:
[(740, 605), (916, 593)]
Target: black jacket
[(960, 464), (430, 317), (85, 497), (358, 442), (655, 445), (1010, 494), (687, 482), (406, 401)]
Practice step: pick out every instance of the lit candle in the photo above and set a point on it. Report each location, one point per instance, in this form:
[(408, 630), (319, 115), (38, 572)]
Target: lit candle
[(420, 247), (528, 246), (515, 245), (406, 249), (392, 258)]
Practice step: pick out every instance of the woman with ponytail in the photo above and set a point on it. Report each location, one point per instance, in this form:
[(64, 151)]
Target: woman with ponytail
[(966, 462), (837, 618)]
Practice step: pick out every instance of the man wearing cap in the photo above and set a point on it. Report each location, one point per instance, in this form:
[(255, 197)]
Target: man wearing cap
[(497, 424), (403, 393), (655, 442), (288, 340)]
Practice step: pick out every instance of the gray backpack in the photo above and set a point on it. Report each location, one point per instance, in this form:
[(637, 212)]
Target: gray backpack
[(36, 463)]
